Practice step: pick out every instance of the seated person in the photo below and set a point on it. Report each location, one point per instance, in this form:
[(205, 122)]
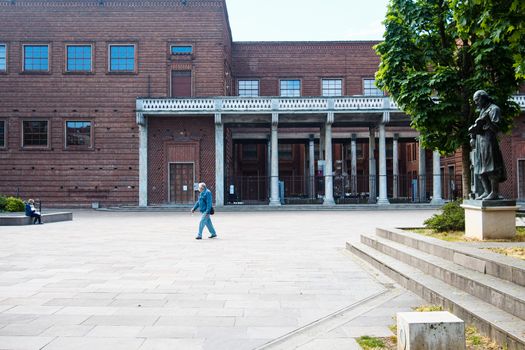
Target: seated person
[(31, 211)]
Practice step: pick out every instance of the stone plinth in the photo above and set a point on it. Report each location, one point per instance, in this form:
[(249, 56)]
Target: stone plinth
[(490, 219), (430, 331)]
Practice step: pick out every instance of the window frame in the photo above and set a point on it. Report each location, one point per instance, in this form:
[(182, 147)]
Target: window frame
[(289, 155), (6, 70), (250, 80), (244, 154), (35, 147), (135, 58), (171, 46), (23, 55), (365, 89), (332, 79), (291, 79), (92, 60), (3, 120), (91, 145)]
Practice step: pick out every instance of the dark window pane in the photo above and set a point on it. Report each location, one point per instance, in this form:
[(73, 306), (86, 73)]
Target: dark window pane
[(35, 133), (122, 58), (2, 133), (36, 58), (78, 133)]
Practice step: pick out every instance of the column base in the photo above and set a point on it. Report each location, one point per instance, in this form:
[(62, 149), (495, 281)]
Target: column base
[(383, 201), (328, 201), (275, 203), (437, 201)]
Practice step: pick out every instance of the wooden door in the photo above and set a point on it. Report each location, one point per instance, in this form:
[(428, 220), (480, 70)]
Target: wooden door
[(181, 183), (180, 83)]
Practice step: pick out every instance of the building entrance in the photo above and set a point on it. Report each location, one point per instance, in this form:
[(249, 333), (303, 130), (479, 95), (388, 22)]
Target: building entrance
[(181, 183)]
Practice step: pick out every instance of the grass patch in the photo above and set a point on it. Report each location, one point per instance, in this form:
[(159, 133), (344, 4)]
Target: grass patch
[(371, 343), (459, 236), (428, 308), (513, 252)]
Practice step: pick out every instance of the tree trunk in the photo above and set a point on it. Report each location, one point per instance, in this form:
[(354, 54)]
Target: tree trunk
[(465, 162)]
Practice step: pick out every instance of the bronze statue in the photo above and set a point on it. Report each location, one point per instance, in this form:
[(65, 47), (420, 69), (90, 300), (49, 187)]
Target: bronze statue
[(487, 160)]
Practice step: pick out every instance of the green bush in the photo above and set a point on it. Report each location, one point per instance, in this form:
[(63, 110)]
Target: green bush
[(451, 219), (3, 202), (14, 204)]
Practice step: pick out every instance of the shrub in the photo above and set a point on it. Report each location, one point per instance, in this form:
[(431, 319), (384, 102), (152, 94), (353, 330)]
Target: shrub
[(3, 201), (451, 219), (14, 204)]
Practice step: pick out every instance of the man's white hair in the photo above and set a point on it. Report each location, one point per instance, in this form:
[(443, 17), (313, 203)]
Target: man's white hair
[(202, 185)]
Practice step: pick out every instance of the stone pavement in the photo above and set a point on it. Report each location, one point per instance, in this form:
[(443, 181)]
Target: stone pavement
[(122, 280)]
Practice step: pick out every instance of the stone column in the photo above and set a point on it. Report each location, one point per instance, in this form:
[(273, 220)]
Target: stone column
[(328, 176), (353, 164), (436, 179), (274, 193), (372, 166), (395, 166), (143, 159), (422, 174), (219, 160), (383, 196), (322, 142), (311, 166), (269, 164)]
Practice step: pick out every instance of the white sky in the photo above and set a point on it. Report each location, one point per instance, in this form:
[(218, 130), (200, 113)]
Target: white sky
[(306, 20)]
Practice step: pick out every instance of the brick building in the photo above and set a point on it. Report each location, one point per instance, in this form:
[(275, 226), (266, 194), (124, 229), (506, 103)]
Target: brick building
[(132, 102)]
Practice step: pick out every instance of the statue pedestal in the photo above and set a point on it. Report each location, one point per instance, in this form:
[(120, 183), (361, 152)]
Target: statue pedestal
[(490, 219)]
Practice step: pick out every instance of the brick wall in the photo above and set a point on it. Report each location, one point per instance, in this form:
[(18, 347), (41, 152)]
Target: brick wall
[(109, 172)]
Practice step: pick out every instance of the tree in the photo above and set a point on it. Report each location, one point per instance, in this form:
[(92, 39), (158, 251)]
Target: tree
[(436, 54)]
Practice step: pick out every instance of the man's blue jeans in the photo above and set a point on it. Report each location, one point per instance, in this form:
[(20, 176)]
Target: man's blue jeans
[(206, 221)]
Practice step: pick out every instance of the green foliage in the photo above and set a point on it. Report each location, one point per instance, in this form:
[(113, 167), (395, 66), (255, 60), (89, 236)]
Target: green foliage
[(3, 201), (14, 204), (367, 342), (452, 218), (437, 53)]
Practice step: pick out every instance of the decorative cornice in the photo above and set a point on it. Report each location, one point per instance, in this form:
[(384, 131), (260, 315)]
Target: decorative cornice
[(112, 3)]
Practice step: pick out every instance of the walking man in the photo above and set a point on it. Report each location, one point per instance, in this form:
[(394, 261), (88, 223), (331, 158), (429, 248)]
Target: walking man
[(205, 206)]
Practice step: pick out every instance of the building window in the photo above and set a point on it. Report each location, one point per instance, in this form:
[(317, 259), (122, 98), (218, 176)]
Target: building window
[(285, 151), (78, 58), (249, 88), (3, 57), (249, 152), (359, 151), (290, 88), (370, 88), (181, 50), (78, 134), (36, 58), (122, 58), (332, 87), (2, 134), (35, 133)]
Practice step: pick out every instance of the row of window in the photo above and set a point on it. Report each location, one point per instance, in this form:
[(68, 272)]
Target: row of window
[(35, 133), (79, 58), (292, 88)]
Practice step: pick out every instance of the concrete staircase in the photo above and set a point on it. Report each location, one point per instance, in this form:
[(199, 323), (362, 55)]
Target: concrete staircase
[(482, 288)]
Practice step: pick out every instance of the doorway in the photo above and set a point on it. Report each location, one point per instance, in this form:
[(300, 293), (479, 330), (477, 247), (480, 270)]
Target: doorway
[(181, 183)]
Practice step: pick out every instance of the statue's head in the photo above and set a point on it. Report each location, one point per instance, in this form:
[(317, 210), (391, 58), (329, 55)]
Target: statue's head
[(481, 98)]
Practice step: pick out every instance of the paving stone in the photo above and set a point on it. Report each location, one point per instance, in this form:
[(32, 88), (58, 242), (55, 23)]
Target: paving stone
[(87, 343), (23, 343)]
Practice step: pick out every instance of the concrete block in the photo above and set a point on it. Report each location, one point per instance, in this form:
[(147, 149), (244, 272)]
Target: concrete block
[(489, 220), (430, 331)]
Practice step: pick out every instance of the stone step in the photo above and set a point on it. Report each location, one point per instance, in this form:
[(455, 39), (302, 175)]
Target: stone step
[(497, 265), (500, 293), (18, 219), (502, 327)]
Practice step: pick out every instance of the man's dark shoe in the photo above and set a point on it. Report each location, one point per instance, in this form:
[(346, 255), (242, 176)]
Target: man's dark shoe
[(198, 237), (212, 236)]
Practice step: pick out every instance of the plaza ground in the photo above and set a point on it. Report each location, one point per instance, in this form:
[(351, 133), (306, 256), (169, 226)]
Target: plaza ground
[(125, 280)]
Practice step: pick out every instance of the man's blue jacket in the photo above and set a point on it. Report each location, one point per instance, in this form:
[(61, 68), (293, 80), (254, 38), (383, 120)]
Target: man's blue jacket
[(205, 202)]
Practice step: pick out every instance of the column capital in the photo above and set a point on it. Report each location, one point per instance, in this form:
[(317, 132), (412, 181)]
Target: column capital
[(275, 119), (386, 117), (396, 136), (354, 137), (330, 117), (218, 119), (141, 119)]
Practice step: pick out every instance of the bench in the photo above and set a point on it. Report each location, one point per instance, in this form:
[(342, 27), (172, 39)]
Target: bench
[(17, 219)]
